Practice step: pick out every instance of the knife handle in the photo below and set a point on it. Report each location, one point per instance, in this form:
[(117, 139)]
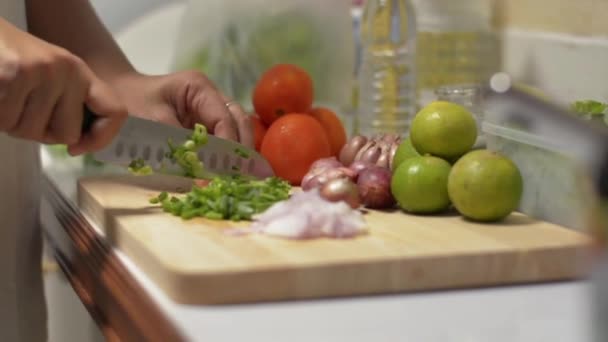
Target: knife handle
[(88, 120)]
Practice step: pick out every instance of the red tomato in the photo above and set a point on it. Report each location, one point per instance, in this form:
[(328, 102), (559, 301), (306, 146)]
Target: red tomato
[(283, 89), (259, 131)]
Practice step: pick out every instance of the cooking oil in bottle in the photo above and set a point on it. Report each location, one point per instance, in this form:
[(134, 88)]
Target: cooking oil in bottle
[(455, 44), (387, 82)]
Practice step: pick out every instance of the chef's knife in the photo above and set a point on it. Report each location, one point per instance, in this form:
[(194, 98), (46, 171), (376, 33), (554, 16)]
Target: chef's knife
[(148, 140)]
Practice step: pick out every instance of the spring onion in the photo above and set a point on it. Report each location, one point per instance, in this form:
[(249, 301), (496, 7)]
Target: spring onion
[(185, 155), (138, 167), (590, 107), (226, 198), (243, 154)]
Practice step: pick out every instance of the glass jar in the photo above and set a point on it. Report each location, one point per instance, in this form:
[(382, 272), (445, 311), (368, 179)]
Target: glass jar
[(469, 96), (455, 44)]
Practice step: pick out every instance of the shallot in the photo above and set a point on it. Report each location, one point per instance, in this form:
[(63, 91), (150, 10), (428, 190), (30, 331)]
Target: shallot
[(349, 151), (374, 185), (341, 189), (326, 163), (318, 177), (379, 150), (359, 166)]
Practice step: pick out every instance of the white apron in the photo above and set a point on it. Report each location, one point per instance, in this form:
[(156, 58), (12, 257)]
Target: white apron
[(22, 306)]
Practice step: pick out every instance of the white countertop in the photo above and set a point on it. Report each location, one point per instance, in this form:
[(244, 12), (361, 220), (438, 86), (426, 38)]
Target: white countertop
[(557, 312)]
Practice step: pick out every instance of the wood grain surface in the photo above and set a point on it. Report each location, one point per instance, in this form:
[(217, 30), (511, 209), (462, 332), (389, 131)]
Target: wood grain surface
[(195, 262)]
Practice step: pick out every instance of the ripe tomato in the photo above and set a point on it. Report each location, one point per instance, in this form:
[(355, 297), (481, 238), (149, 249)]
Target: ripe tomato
[(259, 130), (283, 89), (292, 144), (333, 127)]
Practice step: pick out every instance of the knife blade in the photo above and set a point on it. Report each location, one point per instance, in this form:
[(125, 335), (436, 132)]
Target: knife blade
[(148, 140)]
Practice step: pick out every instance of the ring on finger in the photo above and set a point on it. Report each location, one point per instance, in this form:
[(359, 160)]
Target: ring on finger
[(230, 103)]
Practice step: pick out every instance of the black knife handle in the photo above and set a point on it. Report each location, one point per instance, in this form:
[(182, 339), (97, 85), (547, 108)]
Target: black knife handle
[(88, 120)]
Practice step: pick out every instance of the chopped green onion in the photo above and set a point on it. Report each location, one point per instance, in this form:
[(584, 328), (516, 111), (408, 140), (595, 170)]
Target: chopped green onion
[(184, 155), (227, 198), (138, 167), (590, 107), (241, 153)]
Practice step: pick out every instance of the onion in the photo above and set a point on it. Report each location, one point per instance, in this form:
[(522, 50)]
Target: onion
[(390, 138), (372, 155), (392, 154), (369, 144), (379, 149), (309, 181), (350, 150), (318, 177), (341, 172), (383, 160), (341, 189), (326, 163), (348, 172), (374, 186), (359, 166)]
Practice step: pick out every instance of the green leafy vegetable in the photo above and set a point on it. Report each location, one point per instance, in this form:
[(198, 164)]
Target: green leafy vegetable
[(138, 167), (590, 107), (226, 198)]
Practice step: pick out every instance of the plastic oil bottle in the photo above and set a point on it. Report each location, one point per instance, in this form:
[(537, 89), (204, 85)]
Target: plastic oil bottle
[(387, 79)]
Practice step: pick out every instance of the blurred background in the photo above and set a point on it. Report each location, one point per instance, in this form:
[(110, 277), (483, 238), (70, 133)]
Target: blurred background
[(117, 15)]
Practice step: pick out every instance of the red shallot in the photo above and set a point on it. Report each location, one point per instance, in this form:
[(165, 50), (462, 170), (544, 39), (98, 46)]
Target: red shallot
[(359, 166), (318, 177), (374, 185), (341, 189), (378, 149), (326, 163)]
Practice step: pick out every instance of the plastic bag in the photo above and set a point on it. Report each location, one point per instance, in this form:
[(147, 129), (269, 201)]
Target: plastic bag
[(234, 41)]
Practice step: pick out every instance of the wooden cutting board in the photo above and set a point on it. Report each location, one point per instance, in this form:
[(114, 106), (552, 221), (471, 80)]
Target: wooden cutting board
[(194, 262)]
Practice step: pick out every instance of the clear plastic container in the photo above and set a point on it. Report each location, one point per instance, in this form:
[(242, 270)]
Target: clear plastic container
[(556, 188)]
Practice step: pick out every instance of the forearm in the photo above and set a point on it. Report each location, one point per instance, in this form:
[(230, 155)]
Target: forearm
[(74, 25)]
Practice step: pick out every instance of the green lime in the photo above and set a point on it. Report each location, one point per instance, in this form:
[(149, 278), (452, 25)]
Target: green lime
[(405, 151), (485, 186), (420, 185), (444, 129)]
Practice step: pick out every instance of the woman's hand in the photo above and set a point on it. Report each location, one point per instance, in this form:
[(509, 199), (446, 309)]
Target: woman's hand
[(183, 99), (43, 89)]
